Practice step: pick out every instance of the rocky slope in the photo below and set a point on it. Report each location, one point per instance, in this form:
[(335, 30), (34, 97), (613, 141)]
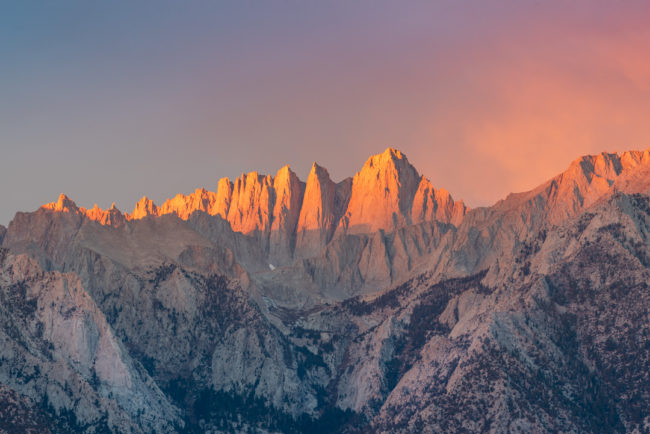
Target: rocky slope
[(417, 316), (488, 237), (559, 345), (60, 357)]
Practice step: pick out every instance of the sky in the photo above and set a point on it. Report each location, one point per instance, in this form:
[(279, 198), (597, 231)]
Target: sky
[(110, 101)]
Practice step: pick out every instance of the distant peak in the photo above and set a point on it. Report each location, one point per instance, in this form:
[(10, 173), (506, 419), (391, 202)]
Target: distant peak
[(144, 200), (63, 199), (318, 171), (285, 172), (606, 164), (390, 157), (143, 208), (63, 203)]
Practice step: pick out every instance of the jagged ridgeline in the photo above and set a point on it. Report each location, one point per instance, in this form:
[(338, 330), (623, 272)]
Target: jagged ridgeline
[(374, 304)]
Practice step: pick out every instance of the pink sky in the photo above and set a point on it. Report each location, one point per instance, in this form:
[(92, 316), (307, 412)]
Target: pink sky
[(484, 99)]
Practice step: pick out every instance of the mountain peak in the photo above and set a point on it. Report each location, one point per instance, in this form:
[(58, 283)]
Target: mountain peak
[(319, 172), (608, 165), (586, 180), (111, 216), (285, 176), (319, 212), (390, 157), (382, 192), (63, 204), (285, 169), (224, 195), (143, 208)]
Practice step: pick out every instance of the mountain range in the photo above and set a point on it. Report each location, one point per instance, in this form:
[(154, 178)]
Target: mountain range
[(375, 304)]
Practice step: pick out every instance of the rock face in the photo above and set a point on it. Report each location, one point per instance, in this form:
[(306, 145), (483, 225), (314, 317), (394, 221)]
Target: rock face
[(435, 204), (145, 207), (224, 196), (382, 194), (288, 198), (183, 206), (251, 207), (110, 217), (417, 316), (323, 205)]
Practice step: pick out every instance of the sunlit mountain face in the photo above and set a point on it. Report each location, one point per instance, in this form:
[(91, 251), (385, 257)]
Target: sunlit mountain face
[(210, 224), (376, 303)]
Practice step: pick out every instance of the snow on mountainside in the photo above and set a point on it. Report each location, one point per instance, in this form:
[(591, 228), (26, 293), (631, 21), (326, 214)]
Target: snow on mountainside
[(376, 303)]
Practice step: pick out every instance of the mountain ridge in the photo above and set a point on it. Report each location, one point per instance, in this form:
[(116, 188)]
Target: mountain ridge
[(427, 202), (255, 190), (317, 248), (387, 193)]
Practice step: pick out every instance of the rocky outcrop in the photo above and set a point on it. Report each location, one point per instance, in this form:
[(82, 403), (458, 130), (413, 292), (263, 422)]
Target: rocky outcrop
[(109, 217), (59, 351), (251, 207), (224, 196), (144, 208), (63, 204), (183, 206), (431, 204)]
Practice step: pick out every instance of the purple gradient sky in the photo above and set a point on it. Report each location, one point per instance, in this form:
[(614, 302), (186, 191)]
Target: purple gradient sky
[(109, 101)]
